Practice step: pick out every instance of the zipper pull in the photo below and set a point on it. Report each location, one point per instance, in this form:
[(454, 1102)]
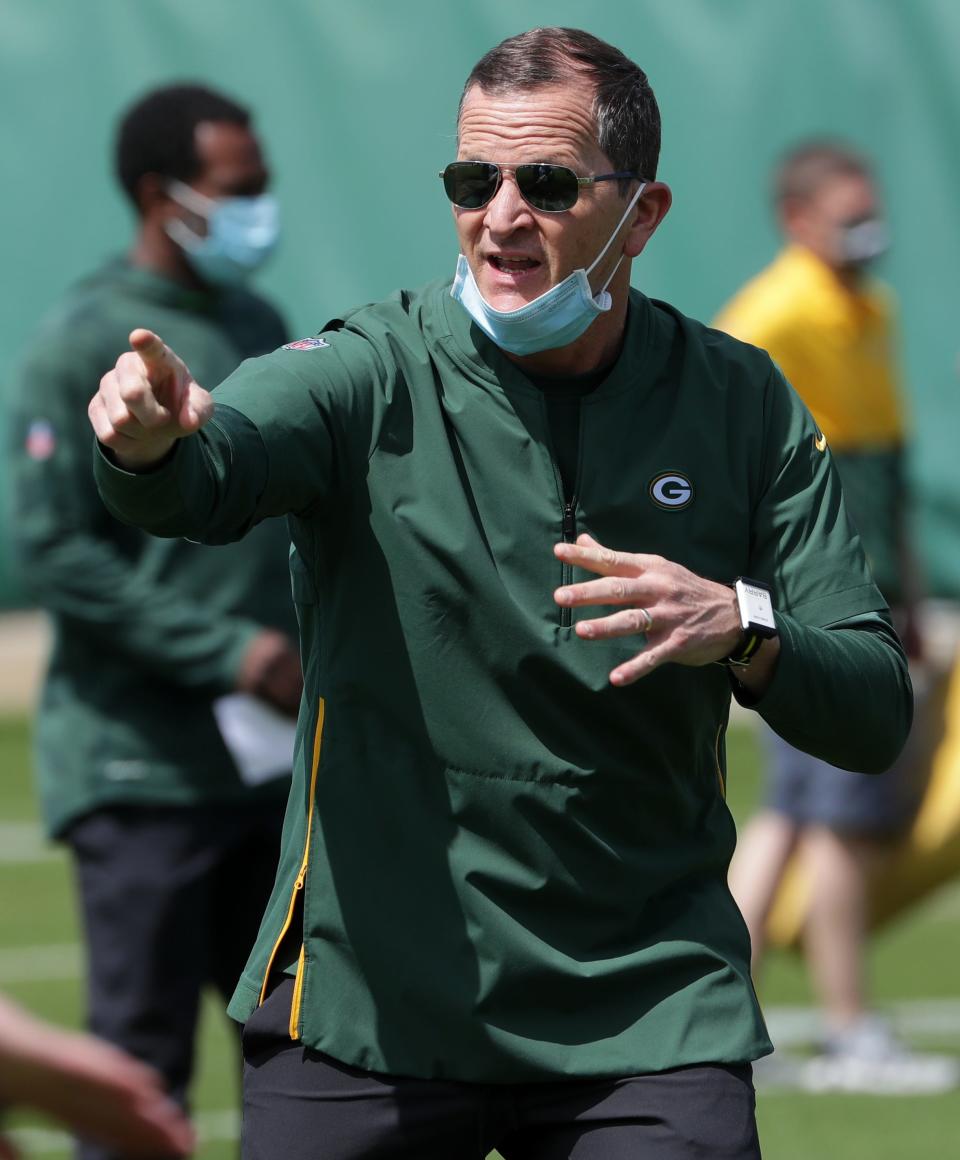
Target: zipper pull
[(570, 521)]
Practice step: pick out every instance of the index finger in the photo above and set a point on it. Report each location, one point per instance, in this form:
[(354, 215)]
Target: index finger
[(593, 557), (151, 349)]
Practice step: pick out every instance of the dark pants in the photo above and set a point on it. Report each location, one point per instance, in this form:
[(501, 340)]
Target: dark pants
[(171, 900), (303, 1105)]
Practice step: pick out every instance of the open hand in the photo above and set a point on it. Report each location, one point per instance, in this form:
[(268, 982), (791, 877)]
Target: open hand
[(146, 403), (684, 618)]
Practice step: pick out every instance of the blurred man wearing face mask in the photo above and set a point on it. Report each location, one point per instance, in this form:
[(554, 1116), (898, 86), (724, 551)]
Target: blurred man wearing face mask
[(829, 324), (168, 656)]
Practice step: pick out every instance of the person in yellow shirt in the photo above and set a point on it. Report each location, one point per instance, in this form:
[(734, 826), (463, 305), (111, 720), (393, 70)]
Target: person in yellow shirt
[(830, 326)]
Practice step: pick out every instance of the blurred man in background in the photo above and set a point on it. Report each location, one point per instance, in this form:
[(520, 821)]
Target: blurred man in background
[(164, 733), (830, 327)]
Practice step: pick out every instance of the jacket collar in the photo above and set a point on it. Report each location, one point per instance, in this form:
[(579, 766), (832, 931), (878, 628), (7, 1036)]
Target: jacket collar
[(483, 361)]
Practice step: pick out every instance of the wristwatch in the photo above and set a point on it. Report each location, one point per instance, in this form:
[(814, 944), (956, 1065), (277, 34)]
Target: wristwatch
[(755, 604)]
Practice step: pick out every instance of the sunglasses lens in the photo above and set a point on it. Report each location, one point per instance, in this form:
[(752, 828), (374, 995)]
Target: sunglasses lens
[(470, 184), (552, 188)]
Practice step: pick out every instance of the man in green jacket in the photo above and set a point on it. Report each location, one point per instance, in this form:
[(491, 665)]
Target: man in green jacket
[(164, 653), (502, 917)]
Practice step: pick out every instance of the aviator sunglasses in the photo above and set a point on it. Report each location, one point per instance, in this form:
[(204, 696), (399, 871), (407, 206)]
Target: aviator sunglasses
[(548, 188)]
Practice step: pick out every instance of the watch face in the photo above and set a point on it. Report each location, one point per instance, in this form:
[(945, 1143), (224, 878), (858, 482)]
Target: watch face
[(756, 606)]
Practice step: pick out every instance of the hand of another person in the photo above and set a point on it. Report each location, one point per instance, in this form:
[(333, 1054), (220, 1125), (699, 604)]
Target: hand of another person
[(146, 403), (98, 1091), (685, 619), (271, 670)]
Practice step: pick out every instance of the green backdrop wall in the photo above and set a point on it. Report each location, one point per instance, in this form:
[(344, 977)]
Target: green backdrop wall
[(356, 101)]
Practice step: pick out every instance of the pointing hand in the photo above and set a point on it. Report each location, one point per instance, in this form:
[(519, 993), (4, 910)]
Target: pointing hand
[(146, 403)]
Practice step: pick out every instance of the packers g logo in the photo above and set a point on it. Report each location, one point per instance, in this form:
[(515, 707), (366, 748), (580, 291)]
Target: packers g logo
[(671, 491)]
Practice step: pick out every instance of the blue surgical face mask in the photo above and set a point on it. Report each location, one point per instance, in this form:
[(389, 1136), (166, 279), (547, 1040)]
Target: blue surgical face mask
[(242, 232), (558, 317), (862, 241)]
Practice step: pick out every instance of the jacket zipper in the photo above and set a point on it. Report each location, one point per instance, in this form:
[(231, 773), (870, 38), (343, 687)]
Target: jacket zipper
[(716, 758), (568, 525), (297, 996), (295, 894), (569, 536)]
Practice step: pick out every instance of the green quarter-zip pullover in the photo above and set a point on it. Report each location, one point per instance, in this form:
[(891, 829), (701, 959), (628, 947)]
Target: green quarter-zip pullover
[(505, 868)]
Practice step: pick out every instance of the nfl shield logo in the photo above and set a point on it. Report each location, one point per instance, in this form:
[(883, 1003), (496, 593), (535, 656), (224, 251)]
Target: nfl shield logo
[(306, 344), (41, 441)]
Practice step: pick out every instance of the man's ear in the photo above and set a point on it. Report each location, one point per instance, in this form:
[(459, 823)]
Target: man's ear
[(792, 215), (152, 196), (649, 212)]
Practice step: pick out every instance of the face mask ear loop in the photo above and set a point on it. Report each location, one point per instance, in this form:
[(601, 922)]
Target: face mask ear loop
[(182, 234), (194, 202), (599, 258), (610, 279), (190, 198)]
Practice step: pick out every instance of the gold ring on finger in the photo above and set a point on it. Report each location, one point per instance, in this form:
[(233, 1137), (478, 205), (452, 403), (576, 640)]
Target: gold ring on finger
[(647, 620)]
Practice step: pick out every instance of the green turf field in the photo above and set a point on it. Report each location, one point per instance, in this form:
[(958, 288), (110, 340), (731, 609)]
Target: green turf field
[(914, 964)]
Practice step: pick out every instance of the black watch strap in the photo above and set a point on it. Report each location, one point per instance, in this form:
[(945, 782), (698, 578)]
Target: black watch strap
[(746, 649), (755, 606)]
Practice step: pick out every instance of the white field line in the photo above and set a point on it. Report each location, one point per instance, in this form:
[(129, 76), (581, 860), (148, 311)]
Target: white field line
[(789, 1026), (210, 1126), (926, 1018), (25, 842), (53, 961)]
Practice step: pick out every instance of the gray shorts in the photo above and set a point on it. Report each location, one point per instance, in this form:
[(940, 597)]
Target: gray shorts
[(809, 791)]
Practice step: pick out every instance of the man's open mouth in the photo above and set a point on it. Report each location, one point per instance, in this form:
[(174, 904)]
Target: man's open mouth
[(512, 265)]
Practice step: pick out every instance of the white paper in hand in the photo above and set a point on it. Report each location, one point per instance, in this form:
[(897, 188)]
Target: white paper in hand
[(259, 739)]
